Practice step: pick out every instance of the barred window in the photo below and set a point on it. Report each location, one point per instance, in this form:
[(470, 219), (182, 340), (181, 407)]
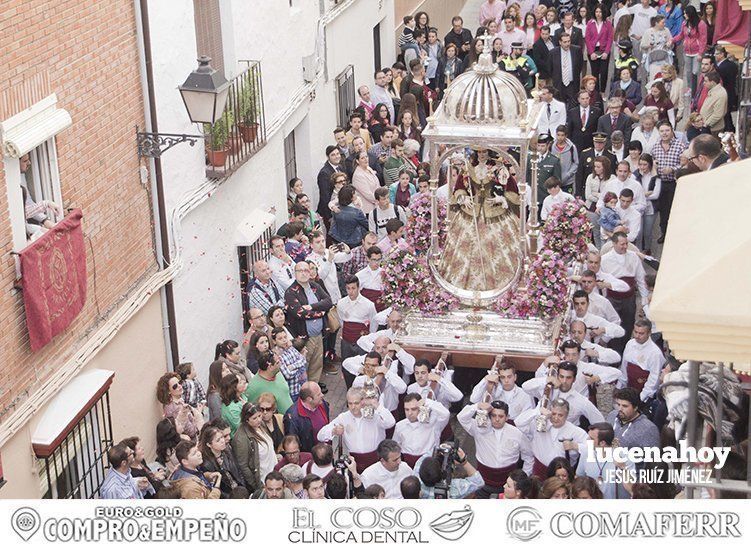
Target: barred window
[(247, 256), (345, 95)]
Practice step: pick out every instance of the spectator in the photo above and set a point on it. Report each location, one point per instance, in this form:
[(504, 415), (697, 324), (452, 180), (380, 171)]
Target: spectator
[(359, 254), (313, 487), (271, 419), (263, 292), (585, 487), (380, 119), (553, 112), (407, 37), (652, 185), (706, 152), (233, 393), (366, 106), (635, 150), (451, 67), (566, 68), (383, 212), (258, 344), (629, 86), (728, 71), (666, 154), (119, 482), (365, 182), (555, 488), (615, 119), (190, 459), (293, 363), (410, 487), (646, 133), (270, 380), (659, 100), (458, 35), (217, 459), (167, 438), (397, 162), (694, 36), (389, 471), (381, 92), (332, 165), (582, 122), (293, 480), (541, 53), (520, 486), (566, 152), (400, 193), (139, 468), (715, 106), (657, 47), (675, 87), (291, 452), (253, 447), (696, 126), (193, 393), (273, 488), (169, 392)]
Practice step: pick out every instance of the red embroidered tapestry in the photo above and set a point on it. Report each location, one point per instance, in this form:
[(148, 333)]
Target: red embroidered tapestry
[(53, 270)]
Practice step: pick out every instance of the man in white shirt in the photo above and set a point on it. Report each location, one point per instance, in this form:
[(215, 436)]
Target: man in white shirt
[(434, 385), (626, 266), (555, 196), (511, 34), (357, 315), (371, 285), (598, 304), (500, 384), (383, 212), (643, 14), (499, 445), (389, 471), (417, 435), (368, 342), (561, 438), (382, 374), (605, 281), (380, 95), (282, 266), (624, 180), (642, 361), (630, 217), (361, 435), (601, 329), (326, 261), (592, 353), (553, 112)]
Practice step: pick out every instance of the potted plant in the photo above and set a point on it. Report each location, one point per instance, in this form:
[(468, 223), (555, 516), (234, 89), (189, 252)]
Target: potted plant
[(248, 110), (218, 140)]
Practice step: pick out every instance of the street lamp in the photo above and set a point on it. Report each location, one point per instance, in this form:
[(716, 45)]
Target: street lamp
[(204, 94)]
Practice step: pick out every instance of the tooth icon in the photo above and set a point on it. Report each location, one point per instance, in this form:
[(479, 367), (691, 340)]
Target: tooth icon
[(454, 525)]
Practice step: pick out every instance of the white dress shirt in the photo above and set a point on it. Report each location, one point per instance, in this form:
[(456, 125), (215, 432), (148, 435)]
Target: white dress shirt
[(517, 399), (535, 386), (548, 124), (417, 438), (371, 279), (550, 201), (614, 185), (282, 273), (617, 285), (497, 448), (361, 435), (367, 342), (605, 355), (548, 445), (647, 356), (599, 305), (632, 220), (445, 394), (612, 330), (360, 310), (389, 481), (627, 265), (392, 385), (579, 404), (327, 271)]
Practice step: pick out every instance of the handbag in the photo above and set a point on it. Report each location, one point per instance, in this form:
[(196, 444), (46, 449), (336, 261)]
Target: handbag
[(333, 323)]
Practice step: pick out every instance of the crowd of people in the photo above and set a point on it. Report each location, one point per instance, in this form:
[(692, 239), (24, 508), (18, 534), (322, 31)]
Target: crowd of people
[(618, 138)]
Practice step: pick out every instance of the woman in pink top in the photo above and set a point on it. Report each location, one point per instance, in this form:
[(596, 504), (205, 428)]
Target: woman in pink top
[(365, 181), (599, 39), (694, 34)]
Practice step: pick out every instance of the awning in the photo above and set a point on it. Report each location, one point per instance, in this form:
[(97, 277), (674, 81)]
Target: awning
[(702, 298), (68, 407), (33, 126), (252, 226)]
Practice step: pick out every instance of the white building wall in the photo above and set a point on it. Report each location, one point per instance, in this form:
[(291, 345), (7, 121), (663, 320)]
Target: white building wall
[(207, 294)]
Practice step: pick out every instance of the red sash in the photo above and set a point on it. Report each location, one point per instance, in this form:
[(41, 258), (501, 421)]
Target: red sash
[(637, 376), (495, 477), (538, 469), (374, 296), (631, 281), (364, 460), (352, 331), (409, 459)]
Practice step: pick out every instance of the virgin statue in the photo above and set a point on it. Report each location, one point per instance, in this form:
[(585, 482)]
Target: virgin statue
[(481, 252)]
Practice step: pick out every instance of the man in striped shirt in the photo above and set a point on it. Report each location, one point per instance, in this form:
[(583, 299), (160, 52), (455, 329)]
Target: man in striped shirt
[(293, 363), (119, 482)]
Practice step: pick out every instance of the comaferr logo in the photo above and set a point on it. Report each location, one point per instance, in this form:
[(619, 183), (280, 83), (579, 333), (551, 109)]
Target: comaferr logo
[(454, 525)]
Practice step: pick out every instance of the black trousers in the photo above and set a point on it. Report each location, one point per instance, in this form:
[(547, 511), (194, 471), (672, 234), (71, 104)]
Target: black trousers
[(569, 93), (626, 309), (600, 68), (665, 202)]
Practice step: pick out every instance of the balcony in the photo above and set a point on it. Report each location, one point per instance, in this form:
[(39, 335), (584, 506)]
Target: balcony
[(241, 131)]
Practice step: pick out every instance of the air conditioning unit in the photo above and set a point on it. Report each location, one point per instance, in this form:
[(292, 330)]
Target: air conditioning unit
[(309, 65)]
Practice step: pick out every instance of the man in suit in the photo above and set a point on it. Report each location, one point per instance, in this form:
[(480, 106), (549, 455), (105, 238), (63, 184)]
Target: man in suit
[(715, 106), (541, 52), (728, 71), (333, 160), (567, 26), (566, 68), (582, 122), (705, 152), (553, 112), (586, 160), (614, 120)]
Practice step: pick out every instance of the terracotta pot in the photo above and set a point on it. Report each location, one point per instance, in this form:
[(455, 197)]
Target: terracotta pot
[(249, 132), (218, 157)]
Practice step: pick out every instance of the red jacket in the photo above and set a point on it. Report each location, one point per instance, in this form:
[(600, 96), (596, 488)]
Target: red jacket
[(604, 36)]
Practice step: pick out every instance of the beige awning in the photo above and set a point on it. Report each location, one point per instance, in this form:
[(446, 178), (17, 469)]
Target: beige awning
[(702, 299)]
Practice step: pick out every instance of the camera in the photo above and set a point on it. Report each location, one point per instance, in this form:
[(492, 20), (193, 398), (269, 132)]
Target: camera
[(446, 453), (341, 463)]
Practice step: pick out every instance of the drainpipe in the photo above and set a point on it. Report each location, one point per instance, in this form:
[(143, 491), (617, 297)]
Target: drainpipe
[(162, 245)]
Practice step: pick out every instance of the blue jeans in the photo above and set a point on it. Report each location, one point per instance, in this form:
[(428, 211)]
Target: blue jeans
[(647, 226), (691, 67)]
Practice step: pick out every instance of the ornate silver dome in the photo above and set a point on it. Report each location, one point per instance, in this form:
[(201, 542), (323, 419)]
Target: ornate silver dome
[(485, 95)]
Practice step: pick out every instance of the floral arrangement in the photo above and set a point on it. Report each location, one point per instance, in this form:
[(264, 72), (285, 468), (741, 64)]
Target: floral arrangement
[(407, 280), (418, 230), (567, 230)]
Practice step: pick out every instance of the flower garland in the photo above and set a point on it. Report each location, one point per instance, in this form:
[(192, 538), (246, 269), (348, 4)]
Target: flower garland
[(567, 230), (407, 279)]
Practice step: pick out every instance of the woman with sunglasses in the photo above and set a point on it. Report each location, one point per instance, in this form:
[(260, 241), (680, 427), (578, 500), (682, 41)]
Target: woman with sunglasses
[(253, 447), (271, 419), (169, 391)]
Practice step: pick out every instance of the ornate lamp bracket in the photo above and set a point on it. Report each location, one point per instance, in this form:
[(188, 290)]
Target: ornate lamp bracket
[(153, 144)]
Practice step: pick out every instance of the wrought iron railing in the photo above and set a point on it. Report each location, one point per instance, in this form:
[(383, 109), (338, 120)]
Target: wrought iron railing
[(241, 131)]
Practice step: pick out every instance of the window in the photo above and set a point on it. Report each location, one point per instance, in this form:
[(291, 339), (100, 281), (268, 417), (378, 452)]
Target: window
[(290, 157), (377, 47), (246, 257), (72, 453), (345, 95)]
